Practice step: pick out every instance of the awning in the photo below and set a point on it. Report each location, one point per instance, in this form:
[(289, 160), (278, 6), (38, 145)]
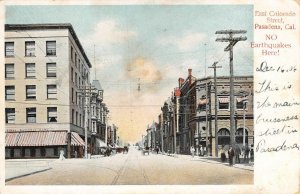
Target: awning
[(224, 100), (239, 99), (76, 140), (202, 101), (41, 138), (100, 143)]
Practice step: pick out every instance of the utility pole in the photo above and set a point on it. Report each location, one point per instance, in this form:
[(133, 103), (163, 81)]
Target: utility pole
[(232, 41), (214, 66), (86, 93)]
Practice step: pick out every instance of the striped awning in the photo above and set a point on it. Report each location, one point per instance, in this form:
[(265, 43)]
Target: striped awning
[(224, 100), (76, 140), (41, 138)]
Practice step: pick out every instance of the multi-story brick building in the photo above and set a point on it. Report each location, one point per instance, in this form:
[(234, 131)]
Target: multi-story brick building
[(45, 69), (203, 123), (191, 113)]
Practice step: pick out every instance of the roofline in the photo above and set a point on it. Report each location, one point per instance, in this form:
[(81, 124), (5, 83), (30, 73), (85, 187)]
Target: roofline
[(10, 27), (222, 77)]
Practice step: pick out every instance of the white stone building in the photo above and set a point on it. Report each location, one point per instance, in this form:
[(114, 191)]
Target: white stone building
[(45, 68)]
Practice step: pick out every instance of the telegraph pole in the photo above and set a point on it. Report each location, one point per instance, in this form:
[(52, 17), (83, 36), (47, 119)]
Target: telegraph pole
[(232, 41), (214, 66), (86, 93)]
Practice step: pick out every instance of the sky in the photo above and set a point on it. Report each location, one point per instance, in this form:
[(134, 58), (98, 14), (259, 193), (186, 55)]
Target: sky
[(150, 45)]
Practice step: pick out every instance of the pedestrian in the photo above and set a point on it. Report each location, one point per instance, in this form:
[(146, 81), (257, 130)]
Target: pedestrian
[(204, 150), (223, 156), (252, 154), (237, 154), (192, 150), (61, 155), (157, 150), (201, 150), (75, 154), (230, 155), (246, 154)]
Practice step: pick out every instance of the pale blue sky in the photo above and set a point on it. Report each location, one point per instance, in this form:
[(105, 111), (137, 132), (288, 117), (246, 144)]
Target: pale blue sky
[(167, 39)]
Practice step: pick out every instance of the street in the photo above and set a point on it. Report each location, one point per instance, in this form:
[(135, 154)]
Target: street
[(135, 169)]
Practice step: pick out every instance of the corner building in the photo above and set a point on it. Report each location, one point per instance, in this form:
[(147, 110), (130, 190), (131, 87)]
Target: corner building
[(45, 68)]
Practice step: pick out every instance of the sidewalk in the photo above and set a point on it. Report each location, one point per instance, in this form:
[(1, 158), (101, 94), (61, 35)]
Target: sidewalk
[(22, 167), (213, 160)]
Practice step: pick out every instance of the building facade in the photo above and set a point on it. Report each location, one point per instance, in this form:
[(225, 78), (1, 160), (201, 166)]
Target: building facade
[(204, 121), (191, 113), (45, 70)]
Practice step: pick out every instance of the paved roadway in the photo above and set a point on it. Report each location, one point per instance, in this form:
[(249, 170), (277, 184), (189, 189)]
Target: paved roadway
[(135, 169)]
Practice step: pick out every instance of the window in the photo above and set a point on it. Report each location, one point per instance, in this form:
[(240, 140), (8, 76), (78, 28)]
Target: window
[(31, 92), (76, 78), (72, 116), (72, 71), (9, 92), (10, 115), (79, 81), (239, 135), (76, 118), (9, 49), (51, 92), (76, 59), (76, 97), (80, 120), (29, 48), (72, 95), (240, 103), (223, 137), (31, 115), (9, 71), (51, 48), (51, 69), (52, 114), (223, 103), (30, 70), (72, 54), (79, 64)]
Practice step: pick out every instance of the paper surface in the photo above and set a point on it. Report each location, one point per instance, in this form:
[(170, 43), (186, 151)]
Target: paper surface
[(276, 104)]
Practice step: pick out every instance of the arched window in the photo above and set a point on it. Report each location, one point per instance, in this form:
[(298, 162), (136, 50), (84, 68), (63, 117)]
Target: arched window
[(223, 137), (239, 135)]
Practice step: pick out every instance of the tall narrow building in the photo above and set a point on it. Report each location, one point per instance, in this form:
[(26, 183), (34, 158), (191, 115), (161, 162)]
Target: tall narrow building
[(45, 71)]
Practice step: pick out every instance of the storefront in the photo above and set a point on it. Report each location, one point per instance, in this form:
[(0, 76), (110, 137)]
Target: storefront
[(41, 144)]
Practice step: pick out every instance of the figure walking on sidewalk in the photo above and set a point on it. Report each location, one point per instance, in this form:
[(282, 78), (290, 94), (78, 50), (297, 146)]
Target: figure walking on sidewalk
[(246, 154), (230, 155), (192, 149), (61, 155), (223, 156)]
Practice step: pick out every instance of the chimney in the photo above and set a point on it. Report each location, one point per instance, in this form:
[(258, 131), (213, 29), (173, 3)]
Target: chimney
[(177, 92), (190, 72), (180, 82)]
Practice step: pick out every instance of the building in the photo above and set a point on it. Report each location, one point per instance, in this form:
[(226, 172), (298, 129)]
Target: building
[(187, 111), (99, 112), (191, 113), (203, 124), (45, 70)]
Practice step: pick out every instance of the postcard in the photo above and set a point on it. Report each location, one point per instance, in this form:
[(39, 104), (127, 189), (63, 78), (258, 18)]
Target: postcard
[(150, 96)]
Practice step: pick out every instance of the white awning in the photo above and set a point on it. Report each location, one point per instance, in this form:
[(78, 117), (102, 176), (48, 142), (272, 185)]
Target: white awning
[(100, 143), (224, 99), (202, 101)]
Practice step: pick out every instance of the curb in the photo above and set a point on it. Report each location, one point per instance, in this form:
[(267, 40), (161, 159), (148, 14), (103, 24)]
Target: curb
[(26, 174)]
